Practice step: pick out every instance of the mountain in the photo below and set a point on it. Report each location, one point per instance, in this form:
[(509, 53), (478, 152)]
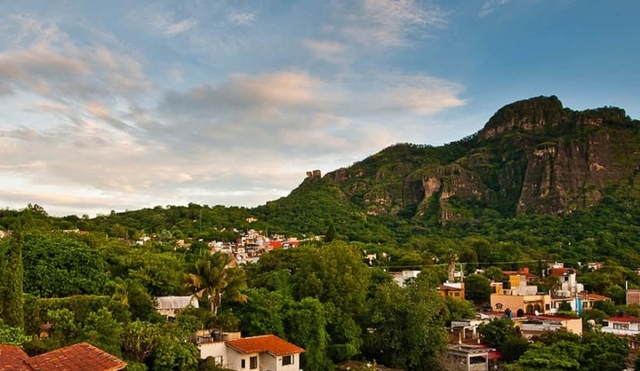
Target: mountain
[(532, 157)]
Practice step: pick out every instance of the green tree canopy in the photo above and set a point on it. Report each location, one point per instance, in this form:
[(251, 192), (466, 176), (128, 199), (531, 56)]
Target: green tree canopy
[(61, 266)]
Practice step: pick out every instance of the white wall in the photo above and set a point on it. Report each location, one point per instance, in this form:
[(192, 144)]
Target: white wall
[(268, 362), (214, 350), (295, 366)]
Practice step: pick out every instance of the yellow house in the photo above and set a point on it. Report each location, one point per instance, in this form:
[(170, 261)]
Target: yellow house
[(528, 303), (452, 290), (532, 325)]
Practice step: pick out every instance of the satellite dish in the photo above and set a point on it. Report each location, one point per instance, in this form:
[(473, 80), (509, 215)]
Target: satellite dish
[(536, 313)]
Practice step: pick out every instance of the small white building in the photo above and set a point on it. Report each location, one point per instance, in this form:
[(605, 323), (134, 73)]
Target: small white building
[(263, 353), (169, 306), (401, 277), (622, 326)]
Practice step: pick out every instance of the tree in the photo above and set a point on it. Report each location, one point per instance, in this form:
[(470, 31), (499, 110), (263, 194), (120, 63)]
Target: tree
[(132, 293), (61, 266), (11, 281), (173, 352), (561, 356), (606, 306), (139, 340), (211, 278), (305, 324), (477, 288), (12, 335), (565, 306), (103, 331), (498, 331), (336, 275), (330, 234), (459, 309), (262, 313), (494, 273), (407, 326)]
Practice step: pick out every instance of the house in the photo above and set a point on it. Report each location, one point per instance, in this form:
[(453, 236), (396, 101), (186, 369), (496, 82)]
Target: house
[(169, 306), (594, 266), (516, 294), (523, 274), (77, 357), (622, 326), (568, 286), (401, 277), (531, 325), (452, 290), (264, 352), (469, 357), (579, 303), (465, 330)]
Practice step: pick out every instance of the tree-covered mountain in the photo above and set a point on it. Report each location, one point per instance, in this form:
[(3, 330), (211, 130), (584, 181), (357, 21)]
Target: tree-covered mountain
[(532, 156)]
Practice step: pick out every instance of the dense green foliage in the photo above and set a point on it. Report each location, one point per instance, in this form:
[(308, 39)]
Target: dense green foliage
[(594, 351), (11, 282), (59, 266)]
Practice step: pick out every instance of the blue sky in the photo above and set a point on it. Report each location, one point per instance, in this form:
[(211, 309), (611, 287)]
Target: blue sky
[(121, 105)]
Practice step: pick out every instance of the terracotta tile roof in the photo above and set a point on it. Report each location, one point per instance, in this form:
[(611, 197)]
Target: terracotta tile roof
[(593, 296), (78, 357), (449, 288), (264, 343), (550, 317), (12, 358), (561, 271)]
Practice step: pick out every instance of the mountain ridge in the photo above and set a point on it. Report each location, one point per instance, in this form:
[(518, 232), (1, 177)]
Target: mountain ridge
[(532, 156)]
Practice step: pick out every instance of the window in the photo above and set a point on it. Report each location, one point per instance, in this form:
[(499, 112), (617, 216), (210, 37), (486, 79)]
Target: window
[(499, 306), (218, 360), (456, 294), (287, 360), (621, 326), (253, 362), (243, 364)]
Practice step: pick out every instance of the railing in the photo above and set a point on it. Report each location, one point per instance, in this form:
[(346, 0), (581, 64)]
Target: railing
[(619, 331)]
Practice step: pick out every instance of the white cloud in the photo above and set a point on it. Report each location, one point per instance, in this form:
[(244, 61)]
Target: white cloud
[(329, 50), (97, 123), (242, 19), (180, 27), (490, 6), (388, 23)]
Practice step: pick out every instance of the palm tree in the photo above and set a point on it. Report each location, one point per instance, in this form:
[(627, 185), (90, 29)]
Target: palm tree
[(211, 277)]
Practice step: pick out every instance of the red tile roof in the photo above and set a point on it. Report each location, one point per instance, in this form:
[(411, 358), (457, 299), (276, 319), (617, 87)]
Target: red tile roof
[(623, 319), (550, 317), (264, 343), (561, 271), (593, 296), (12, 358), (449, 288), (78, 357)]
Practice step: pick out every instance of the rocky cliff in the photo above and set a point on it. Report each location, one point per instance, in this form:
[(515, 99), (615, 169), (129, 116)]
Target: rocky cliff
[(532, 156)]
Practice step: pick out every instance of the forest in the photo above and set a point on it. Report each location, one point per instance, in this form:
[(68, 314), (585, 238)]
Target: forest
[(99, 286)]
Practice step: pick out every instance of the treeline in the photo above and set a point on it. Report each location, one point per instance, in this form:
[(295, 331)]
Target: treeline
[(322, 297)]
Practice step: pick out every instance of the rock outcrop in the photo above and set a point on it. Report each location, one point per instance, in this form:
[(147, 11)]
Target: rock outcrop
[(532, 156)]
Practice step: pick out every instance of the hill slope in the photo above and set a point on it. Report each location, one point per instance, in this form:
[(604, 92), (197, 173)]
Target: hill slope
[(532, 156)]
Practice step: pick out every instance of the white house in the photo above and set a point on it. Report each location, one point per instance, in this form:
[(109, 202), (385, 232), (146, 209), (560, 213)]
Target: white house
[(622, 326), (263, 353), (170, 305), (401, 277)]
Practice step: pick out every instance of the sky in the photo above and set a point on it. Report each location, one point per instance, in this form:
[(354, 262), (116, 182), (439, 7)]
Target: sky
[(120, 105)]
